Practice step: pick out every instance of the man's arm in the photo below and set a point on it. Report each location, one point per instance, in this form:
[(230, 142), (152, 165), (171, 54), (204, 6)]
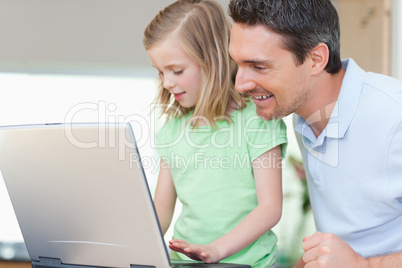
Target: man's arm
[(392, 260), (328, 250), (299, 264)]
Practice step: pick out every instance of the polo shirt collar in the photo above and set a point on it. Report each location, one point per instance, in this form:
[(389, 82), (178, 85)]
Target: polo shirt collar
[(348, 100), (345, 107)]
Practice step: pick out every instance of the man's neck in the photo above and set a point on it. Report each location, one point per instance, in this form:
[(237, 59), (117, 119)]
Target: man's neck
[(322, 102)]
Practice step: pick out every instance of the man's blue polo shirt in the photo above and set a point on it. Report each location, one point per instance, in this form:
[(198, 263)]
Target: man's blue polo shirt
[(354, 168)]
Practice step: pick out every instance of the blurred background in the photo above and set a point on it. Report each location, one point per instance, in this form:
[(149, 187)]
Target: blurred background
[(82, 61)]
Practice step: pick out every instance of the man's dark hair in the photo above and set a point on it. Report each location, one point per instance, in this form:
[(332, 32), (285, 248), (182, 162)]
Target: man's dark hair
[(303, 24)]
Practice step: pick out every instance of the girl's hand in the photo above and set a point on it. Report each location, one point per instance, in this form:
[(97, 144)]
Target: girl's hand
[(205, 253)]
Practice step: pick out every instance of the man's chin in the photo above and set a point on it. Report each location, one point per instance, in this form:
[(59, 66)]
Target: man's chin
[(265, 115)]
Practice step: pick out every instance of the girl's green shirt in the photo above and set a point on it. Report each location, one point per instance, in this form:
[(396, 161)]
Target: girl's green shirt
[(213, 176)]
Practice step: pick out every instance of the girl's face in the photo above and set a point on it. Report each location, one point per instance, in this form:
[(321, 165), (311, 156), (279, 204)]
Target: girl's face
[(180, 74)]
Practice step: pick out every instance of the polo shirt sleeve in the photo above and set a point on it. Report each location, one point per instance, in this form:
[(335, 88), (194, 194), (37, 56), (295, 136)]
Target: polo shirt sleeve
[(395, 167)]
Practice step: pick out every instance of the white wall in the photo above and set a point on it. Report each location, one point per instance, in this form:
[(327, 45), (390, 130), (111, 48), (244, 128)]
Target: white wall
[(76, 36)]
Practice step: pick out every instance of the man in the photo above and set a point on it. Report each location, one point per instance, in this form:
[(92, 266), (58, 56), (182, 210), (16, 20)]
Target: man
[(348, 124)]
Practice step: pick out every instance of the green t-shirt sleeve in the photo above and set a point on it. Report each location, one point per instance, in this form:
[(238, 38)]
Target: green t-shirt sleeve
[(261, 136), (171, 133), (161, 142)]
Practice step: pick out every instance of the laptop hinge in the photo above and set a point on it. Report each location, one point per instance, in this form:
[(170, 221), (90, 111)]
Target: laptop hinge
[(46, 262), (56, 263)]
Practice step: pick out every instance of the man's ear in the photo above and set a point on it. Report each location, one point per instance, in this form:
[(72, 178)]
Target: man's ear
[(319, 57)]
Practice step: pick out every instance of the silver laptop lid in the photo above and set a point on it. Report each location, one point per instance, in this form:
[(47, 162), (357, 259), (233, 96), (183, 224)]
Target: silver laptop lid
[(80, 194)]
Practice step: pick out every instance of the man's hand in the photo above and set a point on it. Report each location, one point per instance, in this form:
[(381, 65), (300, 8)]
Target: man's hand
[(205, 253), (328, 250)]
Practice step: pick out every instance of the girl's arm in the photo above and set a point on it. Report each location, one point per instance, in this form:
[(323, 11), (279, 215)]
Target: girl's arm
[(268, 182), (165, 196)]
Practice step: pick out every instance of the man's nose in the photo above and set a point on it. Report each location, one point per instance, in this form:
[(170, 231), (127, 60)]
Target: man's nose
[(243, 82)]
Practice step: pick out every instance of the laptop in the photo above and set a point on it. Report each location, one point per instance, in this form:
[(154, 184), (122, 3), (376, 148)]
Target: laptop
[(81, 197)]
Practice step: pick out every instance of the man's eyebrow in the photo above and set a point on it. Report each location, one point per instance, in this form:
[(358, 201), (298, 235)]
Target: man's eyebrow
[(266, 62), (258, 61), (255, 61)]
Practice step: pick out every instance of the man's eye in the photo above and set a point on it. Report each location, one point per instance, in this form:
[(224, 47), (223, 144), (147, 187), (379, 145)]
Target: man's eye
[(259, 67)]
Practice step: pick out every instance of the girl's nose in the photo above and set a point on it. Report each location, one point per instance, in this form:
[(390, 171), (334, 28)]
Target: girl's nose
[(168, 83)]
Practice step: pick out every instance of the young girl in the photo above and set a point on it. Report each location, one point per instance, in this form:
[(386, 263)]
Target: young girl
[(217, 156)]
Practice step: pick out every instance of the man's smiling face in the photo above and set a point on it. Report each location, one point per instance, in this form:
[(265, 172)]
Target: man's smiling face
[(267, 71)]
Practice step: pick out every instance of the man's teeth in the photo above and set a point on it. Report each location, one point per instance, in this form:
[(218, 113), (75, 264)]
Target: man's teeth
[(262, 97)]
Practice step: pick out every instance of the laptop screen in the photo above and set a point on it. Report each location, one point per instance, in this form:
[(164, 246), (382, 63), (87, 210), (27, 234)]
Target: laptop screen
[(80, 194)]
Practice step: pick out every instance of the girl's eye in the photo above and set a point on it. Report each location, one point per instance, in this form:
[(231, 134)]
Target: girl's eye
[(178, 72)]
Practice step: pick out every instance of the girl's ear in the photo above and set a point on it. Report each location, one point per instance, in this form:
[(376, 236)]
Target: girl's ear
[(319, 57)]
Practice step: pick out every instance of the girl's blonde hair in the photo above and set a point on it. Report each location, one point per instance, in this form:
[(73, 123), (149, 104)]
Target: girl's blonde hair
[(203, 31)]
